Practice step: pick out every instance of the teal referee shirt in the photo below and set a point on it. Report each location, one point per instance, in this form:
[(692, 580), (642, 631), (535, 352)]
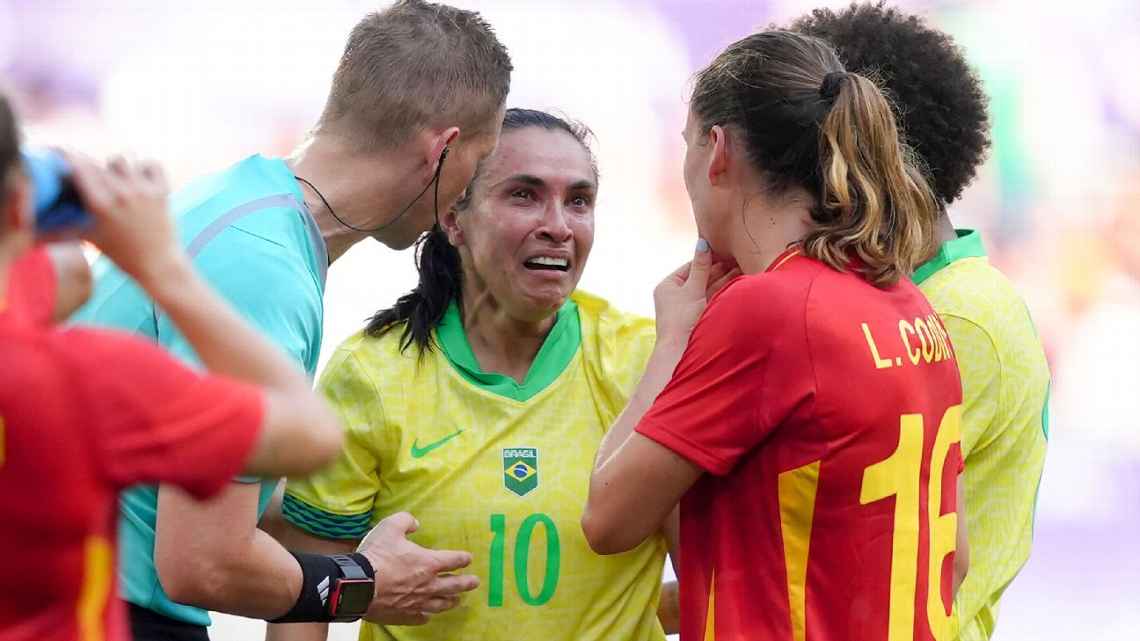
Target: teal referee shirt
[(251, 237)]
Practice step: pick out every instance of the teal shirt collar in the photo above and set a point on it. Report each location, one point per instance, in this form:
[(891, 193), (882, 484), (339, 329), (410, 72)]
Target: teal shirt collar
[(968, 244), (553, 357), (279, 171)]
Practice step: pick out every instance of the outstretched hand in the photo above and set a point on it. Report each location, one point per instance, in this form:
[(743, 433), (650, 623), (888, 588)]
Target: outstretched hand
[(412, 582)]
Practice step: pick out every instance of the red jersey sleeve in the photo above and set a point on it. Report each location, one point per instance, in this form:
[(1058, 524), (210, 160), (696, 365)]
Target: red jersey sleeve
[(153, 419), (745, 369), (32, 287)]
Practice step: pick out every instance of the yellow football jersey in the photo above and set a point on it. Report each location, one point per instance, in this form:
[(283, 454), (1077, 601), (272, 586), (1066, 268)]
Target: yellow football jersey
[(494, 467), (1005, 420)]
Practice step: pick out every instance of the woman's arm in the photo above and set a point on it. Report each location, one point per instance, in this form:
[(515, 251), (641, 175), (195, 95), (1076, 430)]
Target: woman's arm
[(962, 554), (298, 540), (615, 519), (669, 608)]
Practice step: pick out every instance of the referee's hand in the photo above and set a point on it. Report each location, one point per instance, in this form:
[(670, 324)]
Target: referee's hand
[(412, 582)]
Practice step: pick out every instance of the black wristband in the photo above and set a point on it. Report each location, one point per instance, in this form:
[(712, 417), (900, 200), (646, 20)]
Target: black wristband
[(364, 564), (318, 571)]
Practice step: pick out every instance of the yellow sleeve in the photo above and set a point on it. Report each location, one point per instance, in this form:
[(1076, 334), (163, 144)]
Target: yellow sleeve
[(1003, 446), (336, 503), (621, 350), (980, 369), (633, 344)]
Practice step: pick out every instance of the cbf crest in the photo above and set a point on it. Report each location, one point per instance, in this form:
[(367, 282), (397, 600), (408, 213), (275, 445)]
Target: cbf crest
[(520, 469)]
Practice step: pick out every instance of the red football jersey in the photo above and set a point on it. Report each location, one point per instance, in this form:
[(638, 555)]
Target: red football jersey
[(82, 415), (31, 288), (825, 411)]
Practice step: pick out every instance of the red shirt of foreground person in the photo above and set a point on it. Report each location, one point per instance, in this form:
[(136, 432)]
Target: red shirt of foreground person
[(84, 414), (31, 289), (825, 413)]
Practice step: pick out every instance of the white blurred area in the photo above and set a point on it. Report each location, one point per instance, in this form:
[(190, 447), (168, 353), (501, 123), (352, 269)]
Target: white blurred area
[(201, 85)]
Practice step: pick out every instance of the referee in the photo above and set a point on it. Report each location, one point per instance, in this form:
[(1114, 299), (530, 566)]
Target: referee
[(415, 103)]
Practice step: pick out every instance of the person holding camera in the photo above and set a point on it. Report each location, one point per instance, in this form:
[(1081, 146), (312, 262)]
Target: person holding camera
[(416, 102), (84, 413)]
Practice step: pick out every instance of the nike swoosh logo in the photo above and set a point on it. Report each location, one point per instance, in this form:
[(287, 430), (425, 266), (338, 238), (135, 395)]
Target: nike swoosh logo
[(419, 452)]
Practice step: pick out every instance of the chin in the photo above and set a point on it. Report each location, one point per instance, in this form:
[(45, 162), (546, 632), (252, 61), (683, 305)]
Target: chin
[(399, 243), (544, 306)]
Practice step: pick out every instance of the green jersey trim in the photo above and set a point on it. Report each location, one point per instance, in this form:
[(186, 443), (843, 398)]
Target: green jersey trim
[(553, 357), (968, 244), (325, 524)]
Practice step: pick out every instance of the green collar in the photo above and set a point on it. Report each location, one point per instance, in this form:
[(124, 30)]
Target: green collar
[(968, 244), (553, 357)]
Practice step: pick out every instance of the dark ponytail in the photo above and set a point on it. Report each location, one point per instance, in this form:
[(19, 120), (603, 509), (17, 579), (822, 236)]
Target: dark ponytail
[(441, 280)]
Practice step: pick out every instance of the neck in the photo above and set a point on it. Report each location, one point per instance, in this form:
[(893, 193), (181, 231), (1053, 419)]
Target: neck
[(944, 231), (501, 343), (766, 230), (10, 250), (360, 188), (4, 271)]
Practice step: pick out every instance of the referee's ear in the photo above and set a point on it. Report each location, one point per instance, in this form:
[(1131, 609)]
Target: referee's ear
[(441, 147)]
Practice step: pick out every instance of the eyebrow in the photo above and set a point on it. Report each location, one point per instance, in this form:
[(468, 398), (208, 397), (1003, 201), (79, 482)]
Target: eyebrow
[(535, 181)]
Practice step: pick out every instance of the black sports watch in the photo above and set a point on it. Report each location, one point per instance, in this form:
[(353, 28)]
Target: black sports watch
[(350, 595)]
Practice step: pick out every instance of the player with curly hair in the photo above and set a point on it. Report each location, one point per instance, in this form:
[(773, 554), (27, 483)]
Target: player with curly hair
[(1005, 377)]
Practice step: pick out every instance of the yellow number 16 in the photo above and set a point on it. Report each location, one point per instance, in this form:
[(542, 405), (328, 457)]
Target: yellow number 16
[(899, 476)]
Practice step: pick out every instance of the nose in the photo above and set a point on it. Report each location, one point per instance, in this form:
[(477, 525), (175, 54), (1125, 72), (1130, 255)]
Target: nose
[(554, 226)]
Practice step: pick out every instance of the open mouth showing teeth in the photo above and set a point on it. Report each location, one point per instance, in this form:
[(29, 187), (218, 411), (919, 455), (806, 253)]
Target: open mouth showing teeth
[(547, 263)]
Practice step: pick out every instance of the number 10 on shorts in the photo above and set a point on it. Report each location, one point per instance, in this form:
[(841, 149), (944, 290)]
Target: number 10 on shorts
[(522, 560)]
